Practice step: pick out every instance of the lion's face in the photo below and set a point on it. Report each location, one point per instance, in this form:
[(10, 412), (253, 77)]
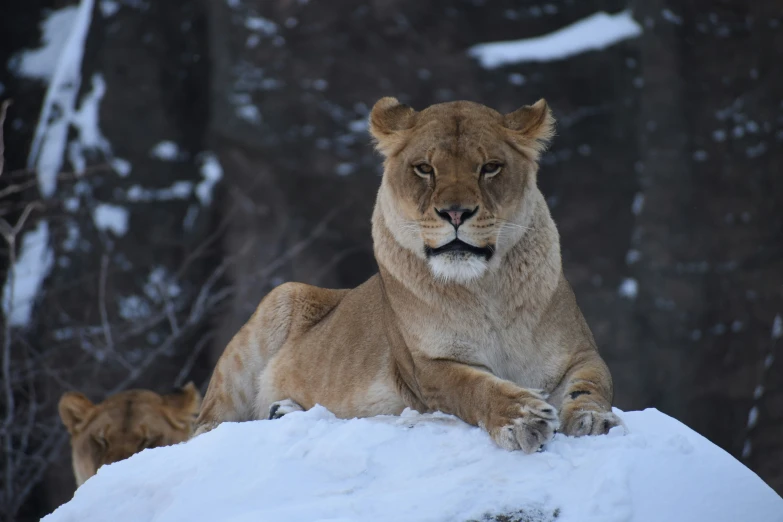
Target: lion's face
[(456, 178), (124, 424)]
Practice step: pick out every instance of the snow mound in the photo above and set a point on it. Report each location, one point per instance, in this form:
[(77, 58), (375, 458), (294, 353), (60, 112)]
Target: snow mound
[(310, 466)]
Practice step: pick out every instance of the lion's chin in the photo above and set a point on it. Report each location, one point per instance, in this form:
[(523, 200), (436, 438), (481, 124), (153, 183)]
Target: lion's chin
[(457, 267)]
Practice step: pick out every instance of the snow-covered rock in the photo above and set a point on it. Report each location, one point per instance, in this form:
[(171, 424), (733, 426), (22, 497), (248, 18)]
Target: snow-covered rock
[(310, 466)]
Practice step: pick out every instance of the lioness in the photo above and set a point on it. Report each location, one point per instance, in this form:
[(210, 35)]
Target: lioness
[(124, 424), (469, 314)]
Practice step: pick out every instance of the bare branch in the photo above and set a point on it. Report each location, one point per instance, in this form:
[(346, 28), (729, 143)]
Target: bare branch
[(168, 306), (300, 246), (191, 360), (9, 234), (102, 303)]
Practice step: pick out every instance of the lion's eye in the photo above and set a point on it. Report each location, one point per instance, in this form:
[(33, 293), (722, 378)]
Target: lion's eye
[(423, 169), (491, 168)]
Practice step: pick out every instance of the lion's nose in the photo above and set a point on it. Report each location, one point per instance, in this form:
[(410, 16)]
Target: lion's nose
[(455, 214)]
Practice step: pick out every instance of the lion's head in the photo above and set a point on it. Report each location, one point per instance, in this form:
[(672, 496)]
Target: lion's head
[(457, 179), (124, 424)]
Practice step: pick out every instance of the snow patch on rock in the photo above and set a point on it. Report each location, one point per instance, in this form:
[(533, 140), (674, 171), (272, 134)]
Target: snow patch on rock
[(777, 327), (629, 288), (166, 151), (51, 133), (212, 173), (41, 63), (122, 167), (596, 32), (179, 190), (85, 121), (111, 217), (24, 281), (109, 7)]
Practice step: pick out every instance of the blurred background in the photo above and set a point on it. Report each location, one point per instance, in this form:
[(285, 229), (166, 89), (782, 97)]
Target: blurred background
[(167, 163)]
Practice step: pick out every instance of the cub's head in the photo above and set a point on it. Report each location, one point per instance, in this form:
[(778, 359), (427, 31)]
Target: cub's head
[(124, 424), (457, 180)]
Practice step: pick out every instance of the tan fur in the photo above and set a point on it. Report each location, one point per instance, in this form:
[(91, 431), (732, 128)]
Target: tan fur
[(124, 424), (495, 338)]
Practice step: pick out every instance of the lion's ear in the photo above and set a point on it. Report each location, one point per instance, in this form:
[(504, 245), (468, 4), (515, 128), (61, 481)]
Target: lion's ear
[(182, 405), (534, 125), (187, 399), (75, 409), (387, 119)]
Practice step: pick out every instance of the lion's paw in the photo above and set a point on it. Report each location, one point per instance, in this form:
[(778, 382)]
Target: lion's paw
[(279, 408), (526, 423), (590, 422)]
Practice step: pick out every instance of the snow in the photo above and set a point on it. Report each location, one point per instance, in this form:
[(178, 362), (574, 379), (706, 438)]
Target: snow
[(249, 113), (516, 79), (212, 172), (753, 417), (777, 327), (632, 256), (51, 133), (700, 155), (58, 62), (121, 166), (262, 25), (160, 286), (109, 8), (629, 288), (179, 190), (310, 466), (41, 63), (344, 169), (638, 204), (71, 240), (85, 121), (358, 126), (165, 150), (669, 16), (747, 449), (111, 217), (133, 308), (595, 32), (25, 280)]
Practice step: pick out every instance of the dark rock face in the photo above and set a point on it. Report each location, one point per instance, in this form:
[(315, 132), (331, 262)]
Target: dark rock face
[(708, 317), (663, 180)]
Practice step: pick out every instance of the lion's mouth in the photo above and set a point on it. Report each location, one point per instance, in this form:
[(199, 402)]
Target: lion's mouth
[(459, 247)]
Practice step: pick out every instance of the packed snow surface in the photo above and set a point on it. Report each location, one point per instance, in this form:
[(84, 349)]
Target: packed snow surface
[(596, 32), (310, 466)]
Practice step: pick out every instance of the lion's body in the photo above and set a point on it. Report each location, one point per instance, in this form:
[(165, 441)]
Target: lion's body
[(124, 424), (487, 330)]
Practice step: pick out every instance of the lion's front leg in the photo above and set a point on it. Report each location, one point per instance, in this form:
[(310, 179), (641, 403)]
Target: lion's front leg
[(516, 418), (586, 398)]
